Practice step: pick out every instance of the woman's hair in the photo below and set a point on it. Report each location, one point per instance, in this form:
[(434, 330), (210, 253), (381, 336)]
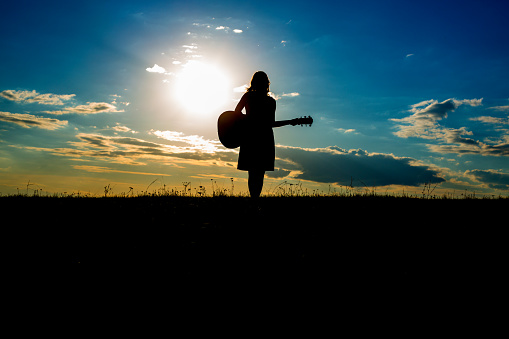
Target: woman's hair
[(259, 82)]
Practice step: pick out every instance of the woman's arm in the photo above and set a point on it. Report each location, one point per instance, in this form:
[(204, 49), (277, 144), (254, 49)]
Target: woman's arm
[(241, 104)]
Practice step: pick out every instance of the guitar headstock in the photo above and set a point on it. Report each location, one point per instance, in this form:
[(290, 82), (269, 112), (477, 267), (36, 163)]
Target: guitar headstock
[(303, 121)]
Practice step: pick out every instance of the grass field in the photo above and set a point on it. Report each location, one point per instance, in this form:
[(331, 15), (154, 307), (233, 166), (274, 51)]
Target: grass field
[(368, 237), (310, 256)]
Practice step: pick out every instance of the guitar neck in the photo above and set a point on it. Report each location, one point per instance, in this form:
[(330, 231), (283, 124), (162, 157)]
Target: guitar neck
[(282, 123), (298, 121)]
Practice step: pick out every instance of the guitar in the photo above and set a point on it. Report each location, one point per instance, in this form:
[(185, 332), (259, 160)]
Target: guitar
[(297, 121), (230, 127)]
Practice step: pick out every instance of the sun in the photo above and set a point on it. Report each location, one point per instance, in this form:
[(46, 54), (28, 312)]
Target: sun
[(202, 88)]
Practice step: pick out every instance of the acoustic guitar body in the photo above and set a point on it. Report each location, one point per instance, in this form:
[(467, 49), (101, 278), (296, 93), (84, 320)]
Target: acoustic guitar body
[(230, 128)]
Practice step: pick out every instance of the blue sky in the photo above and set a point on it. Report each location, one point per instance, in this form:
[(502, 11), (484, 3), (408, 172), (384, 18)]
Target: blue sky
[(402, 93)]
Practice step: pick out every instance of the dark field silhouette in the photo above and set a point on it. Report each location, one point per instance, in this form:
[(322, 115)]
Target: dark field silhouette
[(348, 240)]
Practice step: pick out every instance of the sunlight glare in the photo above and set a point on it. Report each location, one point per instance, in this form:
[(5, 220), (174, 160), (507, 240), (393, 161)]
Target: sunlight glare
[(202, 88)]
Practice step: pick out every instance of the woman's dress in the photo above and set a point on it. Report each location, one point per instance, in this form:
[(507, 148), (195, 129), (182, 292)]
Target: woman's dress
[(257, 150)]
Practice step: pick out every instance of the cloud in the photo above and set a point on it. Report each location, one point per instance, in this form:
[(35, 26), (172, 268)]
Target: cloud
[(278, 173), (500, 108), (437, 111), (89, 108), (194, 142), (136, 151), (291, 95), (470, 102), (424, 124), (189, 49), (34, 97), (491, 120), (288, 95), (342, 130), (223, 28), (335, 165), (100, 169), (201, 25), (125, 129), (326, 165), (28, 121), (156, 69), (494, 179), (478, 147)]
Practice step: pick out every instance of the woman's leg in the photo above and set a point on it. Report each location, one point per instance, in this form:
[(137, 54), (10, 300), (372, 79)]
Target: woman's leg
[(255, 183)]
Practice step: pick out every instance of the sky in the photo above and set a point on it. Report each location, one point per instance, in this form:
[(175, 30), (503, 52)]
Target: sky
[(126, 94)]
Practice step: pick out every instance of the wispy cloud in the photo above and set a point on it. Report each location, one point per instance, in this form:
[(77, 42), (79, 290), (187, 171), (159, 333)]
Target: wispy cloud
[(433, 110), (285, 95), (101, 169), (342, 130), (137, 151), (291, 95), (501, 108), (223, 27), (124, 129), (194, 142), (34, 97), (325, 165), (471, 146), (197, 24), (29, 120), (57, 100), (189, 49), (491, 178), (89, 108), (491, 120), (470, 102), (228, 29), (424, 124)]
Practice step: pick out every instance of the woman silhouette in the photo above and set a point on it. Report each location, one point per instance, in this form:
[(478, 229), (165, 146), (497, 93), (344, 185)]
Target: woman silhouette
[(257, 152)]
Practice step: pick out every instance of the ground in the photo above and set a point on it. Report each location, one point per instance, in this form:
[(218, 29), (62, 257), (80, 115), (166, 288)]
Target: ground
[(308, 237), (363, 263)]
